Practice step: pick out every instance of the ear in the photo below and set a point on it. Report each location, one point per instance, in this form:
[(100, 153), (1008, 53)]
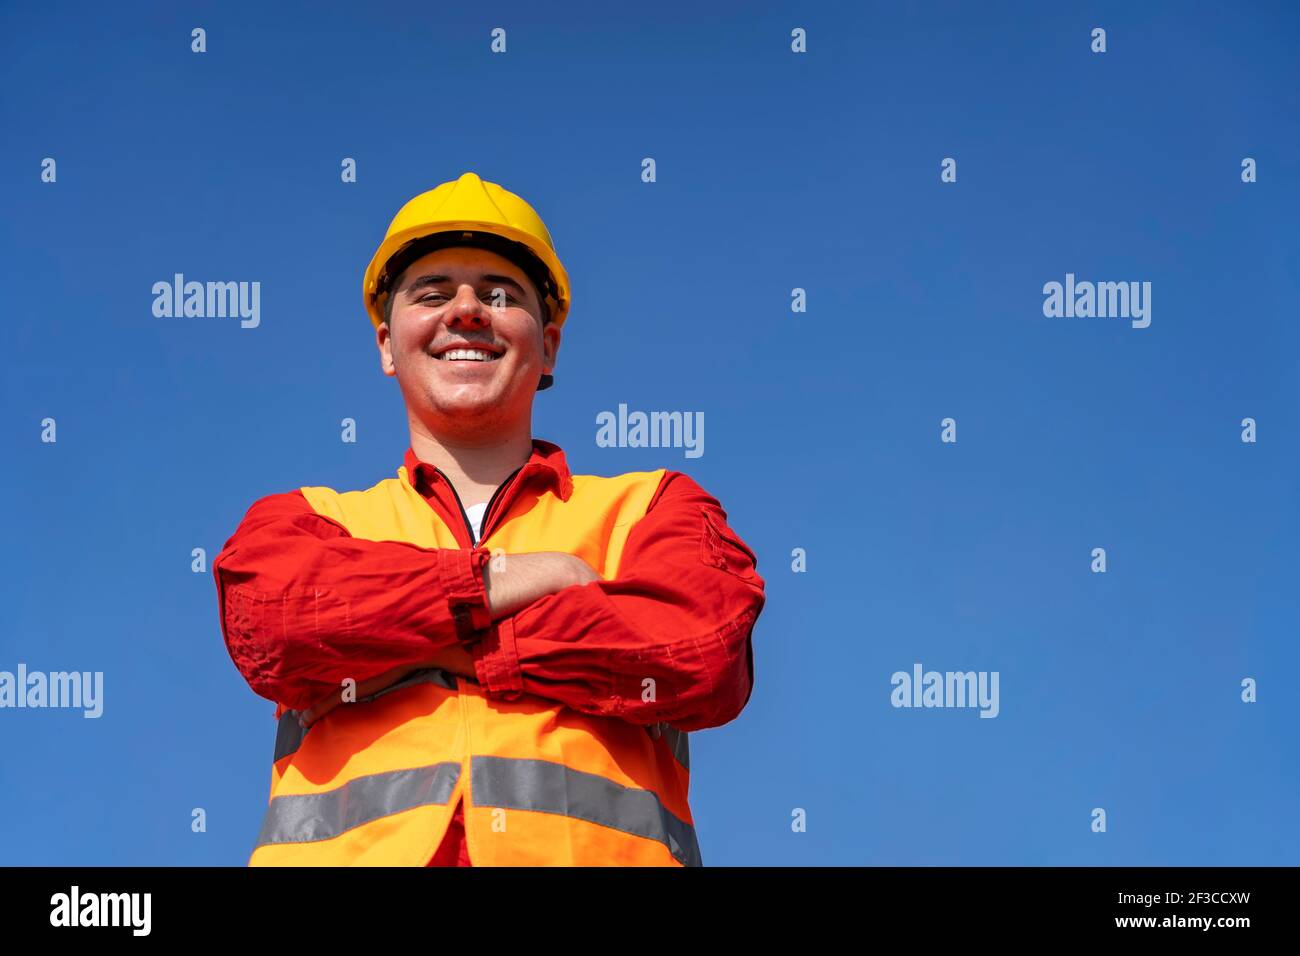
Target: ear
[(550, 346), (384, 340)]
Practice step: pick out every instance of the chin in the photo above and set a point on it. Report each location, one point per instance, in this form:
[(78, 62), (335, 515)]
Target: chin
[(465, 406)]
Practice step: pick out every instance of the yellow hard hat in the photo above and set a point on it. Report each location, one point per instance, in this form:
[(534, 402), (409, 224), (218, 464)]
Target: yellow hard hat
[(470, 205)]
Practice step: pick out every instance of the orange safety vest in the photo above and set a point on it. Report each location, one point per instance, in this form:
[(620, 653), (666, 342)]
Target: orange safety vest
[(376, 782)]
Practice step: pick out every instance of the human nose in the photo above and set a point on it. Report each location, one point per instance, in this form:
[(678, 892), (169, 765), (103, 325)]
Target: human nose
[(467, 309)]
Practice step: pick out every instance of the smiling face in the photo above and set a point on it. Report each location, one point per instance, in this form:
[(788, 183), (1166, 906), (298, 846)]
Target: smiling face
[(468, 368)]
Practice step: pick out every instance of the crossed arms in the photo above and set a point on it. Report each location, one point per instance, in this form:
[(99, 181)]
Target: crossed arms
[(304, 606)]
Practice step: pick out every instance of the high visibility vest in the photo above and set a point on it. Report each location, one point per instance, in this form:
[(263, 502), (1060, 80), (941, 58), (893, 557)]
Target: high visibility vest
[(376, 782)]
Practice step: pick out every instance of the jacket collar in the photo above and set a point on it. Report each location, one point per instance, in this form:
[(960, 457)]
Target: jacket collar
[(546, 464)]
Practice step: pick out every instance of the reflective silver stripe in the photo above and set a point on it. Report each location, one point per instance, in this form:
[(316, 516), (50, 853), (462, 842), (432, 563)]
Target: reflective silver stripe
[(289, 734), (303, 818), (679, 745), (546, 787)]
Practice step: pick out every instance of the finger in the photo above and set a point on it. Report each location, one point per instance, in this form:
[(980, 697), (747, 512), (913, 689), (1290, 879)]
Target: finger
[(367, 687), (316, 711), (327, 704)]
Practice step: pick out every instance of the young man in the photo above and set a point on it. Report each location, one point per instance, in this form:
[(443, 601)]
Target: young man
[(485, 659)]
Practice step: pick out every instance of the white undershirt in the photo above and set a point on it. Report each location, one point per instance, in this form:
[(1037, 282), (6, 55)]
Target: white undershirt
[(475, 515)]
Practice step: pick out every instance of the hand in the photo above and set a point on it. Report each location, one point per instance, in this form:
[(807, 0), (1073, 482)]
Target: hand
[(580, 571), (517, 580), (371, 685)]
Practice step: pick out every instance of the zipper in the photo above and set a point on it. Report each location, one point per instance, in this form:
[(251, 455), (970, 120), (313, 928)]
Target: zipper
[(487, 512), (469, 530)]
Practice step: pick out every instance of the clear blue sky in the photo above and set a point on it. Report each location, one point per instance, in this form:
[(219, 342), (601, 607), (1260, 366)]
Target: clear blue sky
[(775, 170)]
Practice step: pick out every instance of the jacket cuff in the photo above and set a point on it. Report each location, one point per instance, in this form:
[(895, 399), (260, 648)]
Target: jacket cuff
[(461, 573), (496, 661)]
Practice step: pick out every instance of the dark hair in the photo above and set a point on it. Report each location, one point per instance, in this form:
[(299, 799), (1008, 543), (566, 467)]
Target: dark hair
[(516, 252)]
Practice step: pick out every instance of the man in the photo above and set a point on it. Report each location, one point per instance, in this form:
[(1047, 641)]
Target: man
[(485, 659)]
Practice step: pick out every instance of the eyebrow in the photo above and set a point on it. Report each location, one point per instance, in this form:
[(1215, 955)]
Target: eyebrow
[(432, 279)]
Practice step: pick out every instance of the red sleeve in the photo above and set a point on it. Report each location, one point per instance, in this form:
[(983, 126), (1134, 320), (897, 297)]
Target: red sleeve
[(679, 614), (304, 604)]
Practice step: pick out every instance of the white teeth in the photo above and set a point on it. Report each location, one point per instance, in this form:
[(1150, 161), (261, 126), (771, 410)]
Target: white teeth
[(468, 355)]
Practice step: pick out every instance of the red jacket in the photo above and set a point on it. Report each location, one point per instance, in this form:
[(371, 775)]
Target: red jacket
[(332, 606)]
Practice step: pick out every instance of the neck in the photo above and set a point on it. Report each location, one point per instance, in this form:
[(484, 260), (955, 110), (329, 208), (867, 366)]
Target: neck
[(475, 469)]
